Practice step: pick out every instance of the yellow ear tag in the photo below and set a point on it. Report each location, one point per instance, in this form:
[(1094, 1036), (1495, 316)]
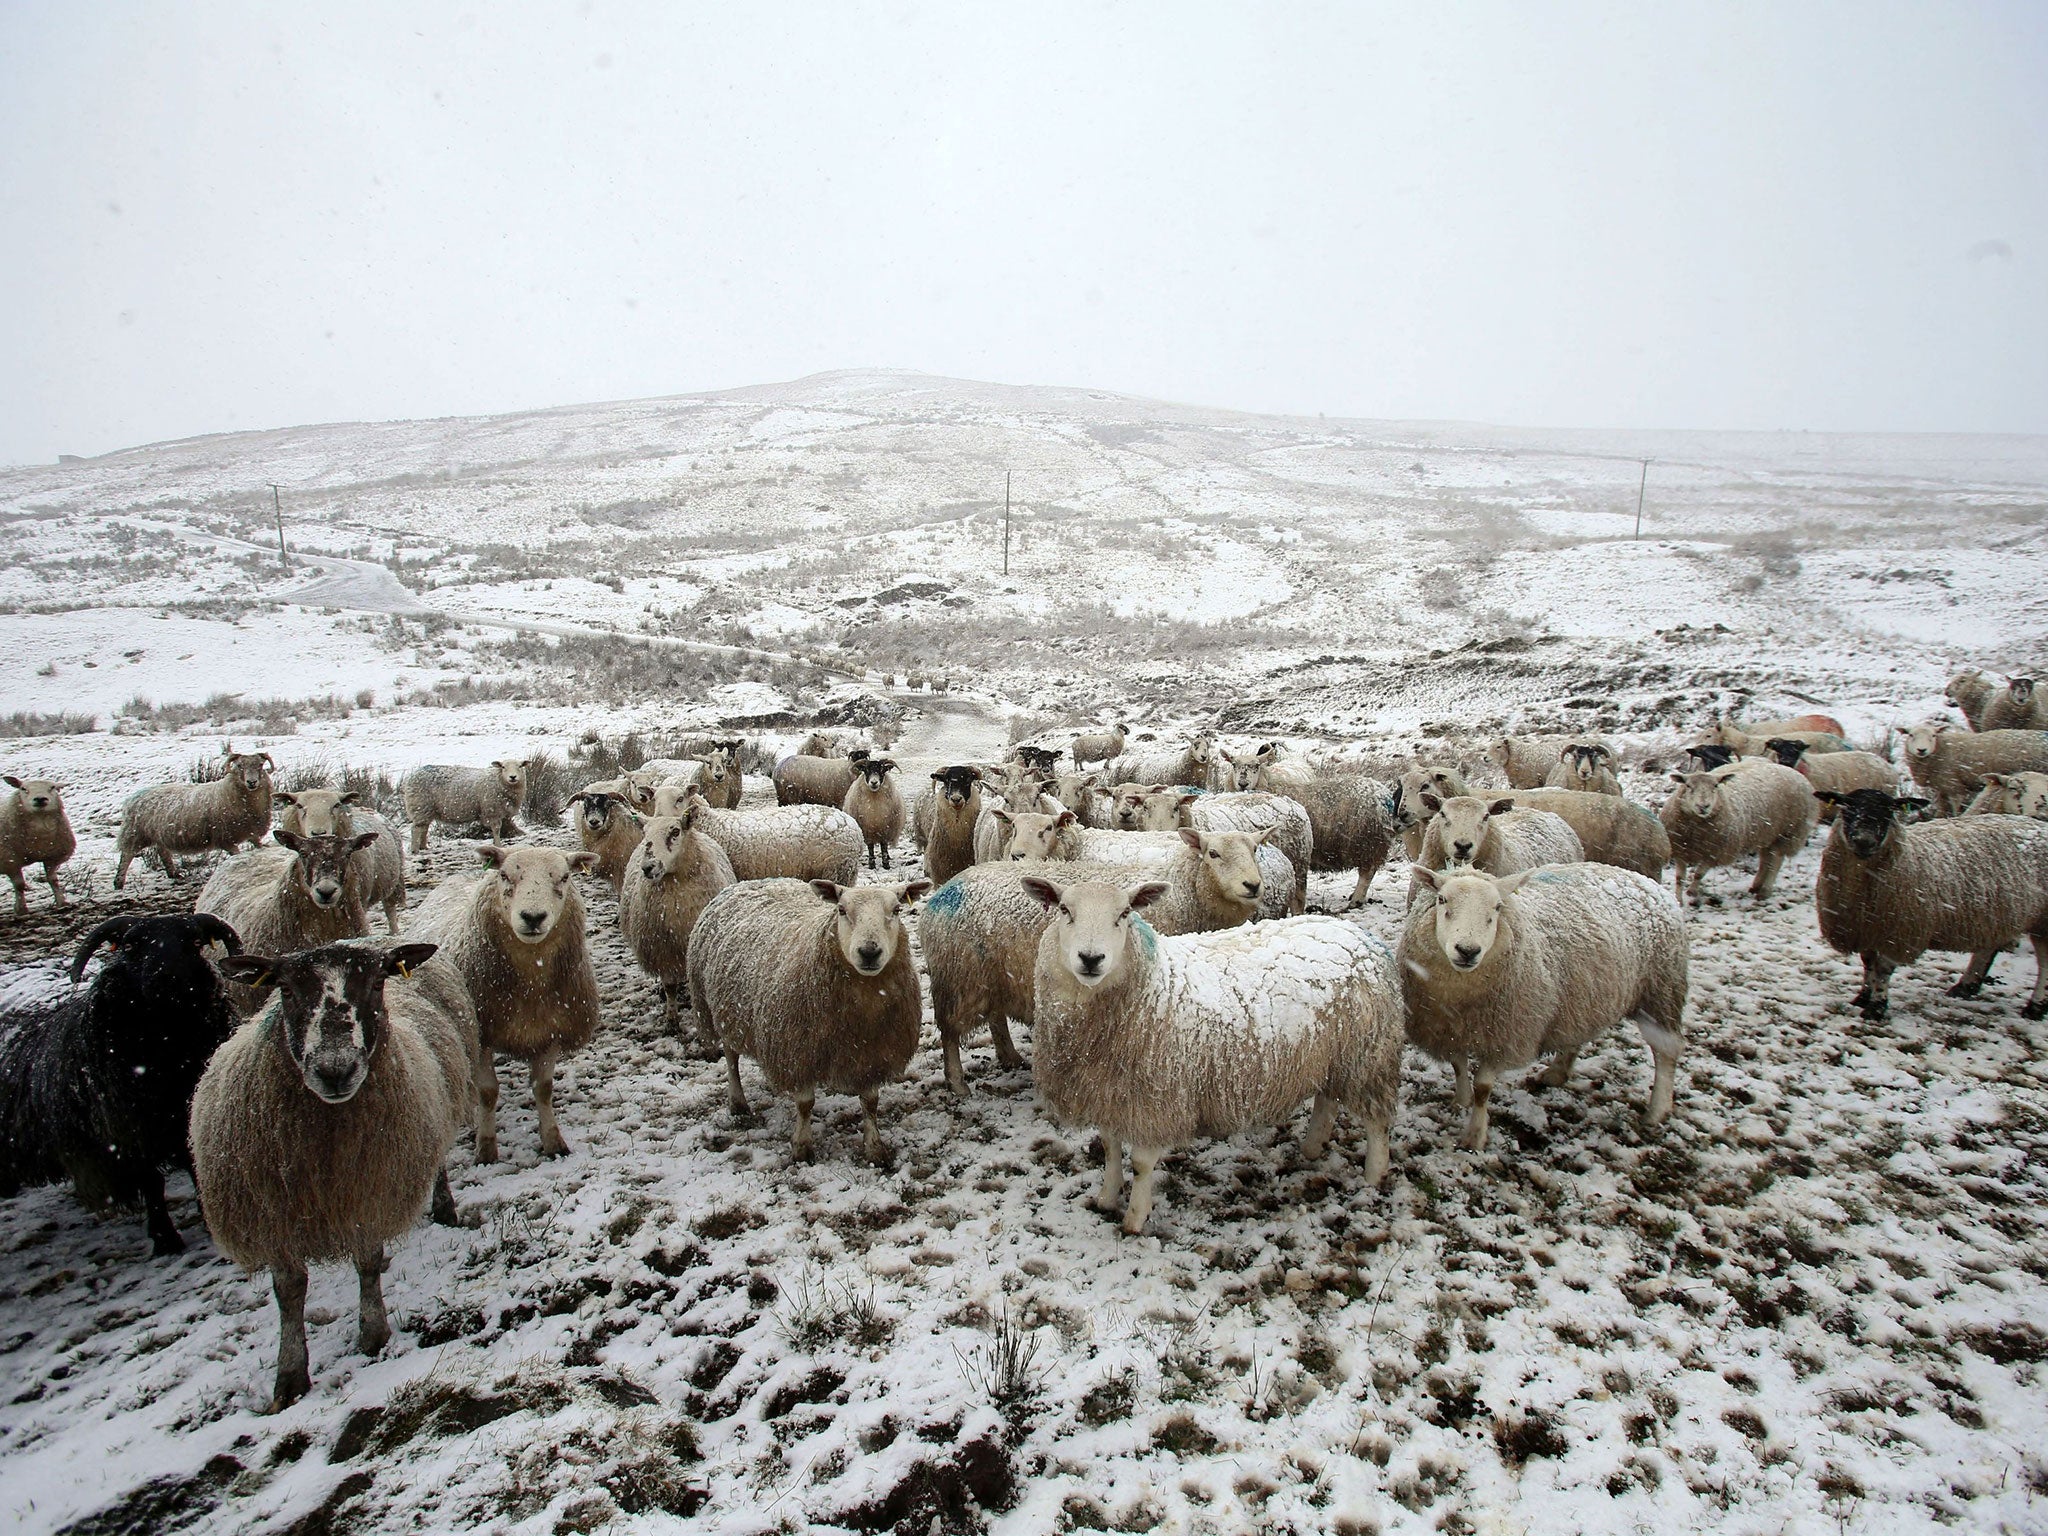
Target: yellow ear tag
[(405, 970)]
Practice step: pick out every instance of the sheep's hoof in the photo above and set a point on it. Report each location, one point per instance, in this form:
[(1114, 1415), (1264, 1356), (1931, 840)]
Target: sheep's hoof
[(1875, 1010), (288, 1390), (2035, 1010), (555, 1148), (486, 1152), (1861, 999), (164, 1244), (1133, 1228), (371, 1341), (1966, 989)]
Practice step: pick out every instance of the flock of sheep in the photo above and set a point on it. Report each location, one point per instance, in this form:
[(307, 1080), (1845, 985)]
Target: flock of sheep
[(1144, 911)]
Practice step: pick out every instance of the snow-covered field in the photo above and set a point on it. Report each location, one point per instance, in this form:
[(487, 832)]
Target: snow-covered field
[(1813, 1301)]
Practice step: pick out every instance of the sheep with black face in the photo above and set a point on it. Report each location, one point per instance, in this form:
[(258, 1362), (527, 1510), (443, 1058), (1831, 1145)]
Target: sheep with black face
[(876, 804), (320, 1129)]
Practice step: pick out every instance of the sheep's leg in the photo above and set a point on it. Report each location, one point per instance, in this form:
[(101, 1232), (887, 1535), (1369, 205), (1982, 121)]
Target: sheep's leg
[(392, 908), (56, 889), (1364, 886), (1559, 1072), (419, 837), (1971, 982), (163, 1232), (956, 1076), (1321, 1118), (1664, 1044), (885, 857), (445, 1213), (671, 1014), (294, 1381), (1377, 1153), (1007, 1054), (1474, 1139), (543, 1072), (1766, 880), (1878, 976), (1111, 1194), (2037, 1005), (735, 1096), (1143, 1161), (170, 864), (121, 868), (20, 894), (373, 1325), (870, 1127), (800, 1143), (1862, 997), (486, 1072), (1461, 1086)]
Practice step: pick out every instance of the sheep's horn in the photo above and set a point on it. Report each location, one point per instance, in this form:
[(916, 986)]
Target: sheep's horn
[(112, 931)]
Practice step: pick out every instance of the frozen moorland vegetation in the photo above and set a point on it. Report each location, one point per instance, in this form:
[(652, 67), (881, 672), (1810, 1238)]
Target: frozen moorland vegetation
[(1816, 1299)]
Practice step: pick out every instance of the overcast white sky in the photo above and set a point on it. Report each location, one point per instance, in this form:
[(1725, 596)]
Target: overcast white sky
[(228, 216)]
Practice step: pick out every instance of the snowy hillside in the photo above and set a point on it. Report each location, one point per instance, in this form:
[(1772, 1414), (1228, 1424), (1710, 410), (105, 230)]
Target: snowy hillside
[(1816, 1300)]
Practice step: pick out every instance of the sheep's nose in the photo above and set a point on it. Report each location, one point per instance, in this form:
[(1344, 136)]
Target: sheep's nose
[(1251, 889), (1463, 850), (326, 892), (1467, 955), (1091, 962), (335, 1080), (533, 921), (870, 955), (41, 802)]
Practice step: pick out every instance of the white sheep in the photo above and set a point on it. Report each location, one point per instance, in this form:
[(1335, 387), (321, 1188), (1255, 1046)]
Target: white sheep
[(462, 796), (1888, 893), (1084, 795), (793, 842), (1162, 809), (1158, 1041), (875, 802), (1722, 817), (295, 896), (1757, 742), (1099, 746), (1970, 691), (34, 829), (2018, 706), (2012, 794), (1406, 813), (379, 872), (814, 981), (1525, 761), (1168, 765), (1267, 768), (1839, 773), (1586, 766), (673, 875), (515, 934), (805, 780), (1497, 837), (1350, 817), (1498, 971), (321, 1127), (1950, 764), (1610, 829), (178, 819)]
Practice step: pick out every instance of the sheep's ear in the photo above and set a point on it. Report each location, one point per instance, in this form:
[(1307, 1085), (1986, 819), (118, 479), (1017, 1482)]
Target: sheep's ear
[(249, 970), (826, 890), (1066, 819), (1507, 885), (362, 841), (1501, 807), (282, 797), (493, 855), (1995, 780), (1185, 801), (1192, 838), (1002, 816), (578, 797), (582, 863), (1264, 835), (1144, 895), (293, 841), (1090, 781), (1429, 877), (348, 797), (1679, 778), (209, 929), (1827, 797), (1912, 804), (915, 890), (1430, 802), (1041, 890), (401, 958)]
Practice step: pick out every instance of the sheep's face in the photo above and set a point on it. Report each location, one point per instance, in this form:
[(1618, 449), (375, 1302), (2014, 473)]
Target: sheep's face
[(1231, 860), (717, 766), (1202, 751), (1585, 763), (1461, 824), (661, 846), (598, 809), (1499, 753), (874, 774), (2022, 691), (1785, 750), (1967, 685), (1865, 818), (532, 886), (1409, 811), (1127, 805), (332, 1008), (867, 920), (1699, 794), (957, 785), (2026, 794), (1467, 913), (1075, 790), (250, 771), (39, 797), (1242, 770), (1923, 742), (512, 774), (1091, 923), (161, 956), (320, 862), (1031, 835), (1711, 755), (323, 812), (645, 794), (1164, 810)]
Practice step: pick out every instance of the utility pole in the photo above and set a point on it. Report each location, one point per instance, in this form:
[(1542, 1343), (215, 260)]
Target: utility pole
[(1645, 485), (277, 506), (1006, 522)]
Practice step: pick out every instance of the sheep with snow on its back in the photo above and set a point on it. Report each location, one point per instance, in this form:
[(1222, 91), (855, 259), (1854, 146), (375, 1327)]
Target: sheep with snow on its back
[(1084, 795), (1406, 809), (177, 819), (1720, 818), (1756, 743), (1585, 766), (321, 1128), (1971, 691), (2018, 706), (1497, 837), (607, 828), (1267, 768), (1839, 773), (1611, 829), (1951, 764), (1165, 809), (34, 830), (1350, 818), (806, 780), (459, 797), (875, 802), (1167, 765), (814, 981), (379, 874), (515, 935), (1888, 893), (1239, 875), (2012, 794), (1706, 756), (775, 842), (1158, 1041), (295, 896), (1498, 971), (1525, 761), (1099, 746), (95, 1083), (675, 872)]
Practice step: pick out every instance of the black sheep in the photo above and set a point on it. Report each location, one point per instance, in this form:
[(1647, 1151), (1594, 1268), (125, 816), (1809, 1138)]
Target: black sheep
[(96, 1084)]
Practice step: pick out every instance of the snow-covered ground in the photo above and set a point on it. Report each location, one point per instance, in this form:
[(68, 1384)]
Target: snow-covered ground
[(1814, 1301)]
